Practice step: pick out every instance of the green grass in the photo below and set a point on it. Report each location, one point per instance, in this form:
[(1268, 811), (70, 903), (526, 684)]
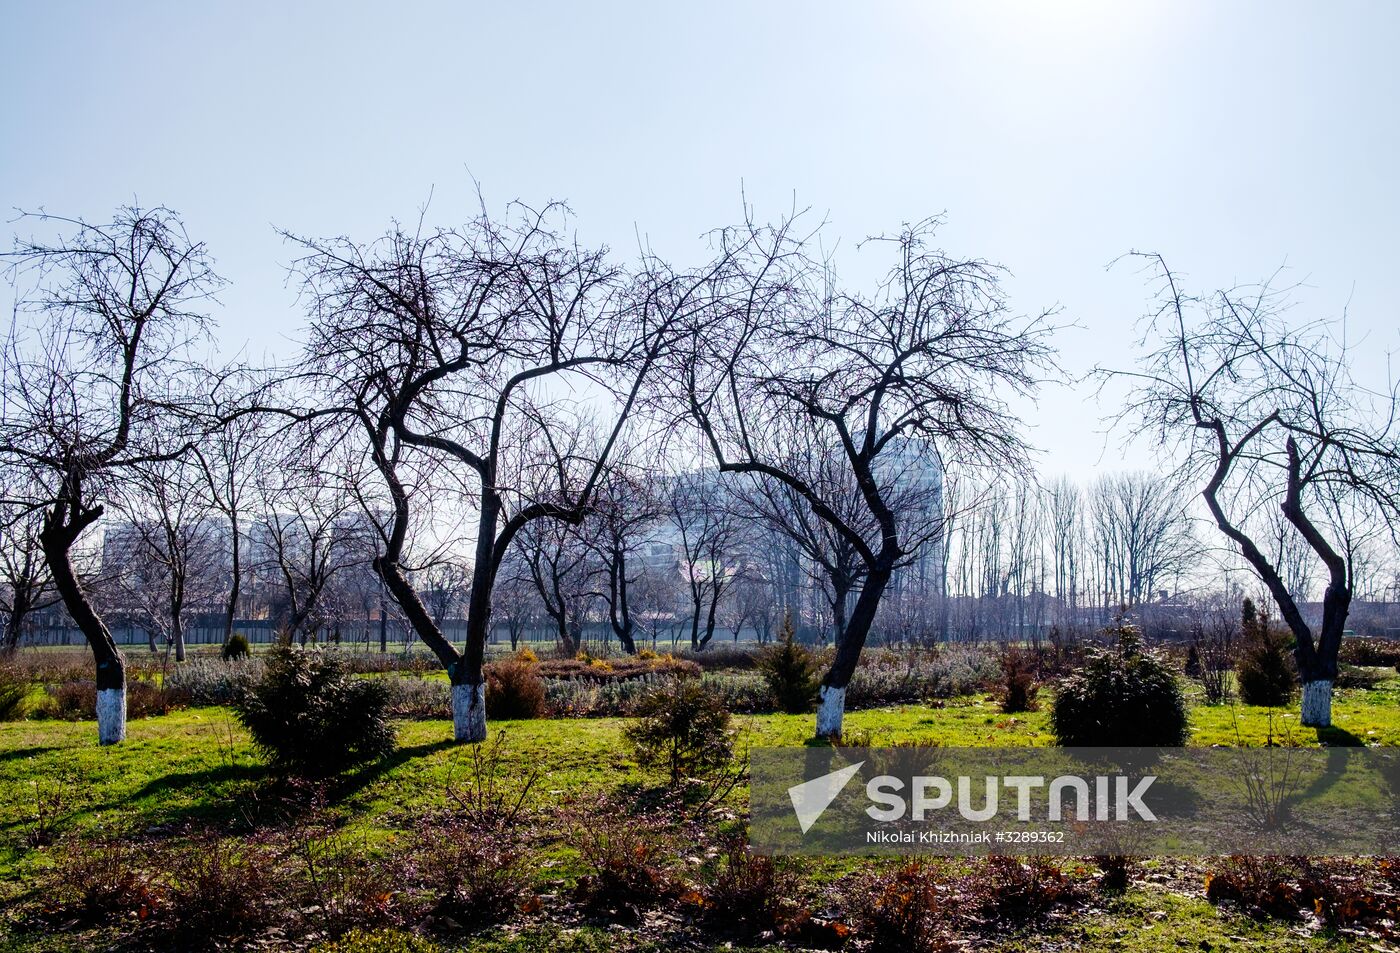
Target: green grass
[(199, 765)]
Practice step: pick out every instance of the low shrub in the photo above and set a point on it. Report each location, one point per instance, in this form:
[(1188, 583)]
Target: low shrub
[(1124, 696), (473, 875), (617, 669), (750, 894), (98, 880), (412, 697), (222, 889), (1370, 652), (717, 656), (907, 909), (682, 728), (514, 690), (312, 718), (1356, 676), (235, 649), (622, 858), (77, 700), (1336, 891), (342, 882), (1017, 891), (790, 670), (1018, 688), (207, 682)]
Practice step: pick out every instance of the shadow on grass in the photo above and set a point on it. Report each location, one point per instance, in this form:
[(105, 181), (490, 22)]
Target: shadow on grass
[(19, 753), (1334, 737), (362, 778)]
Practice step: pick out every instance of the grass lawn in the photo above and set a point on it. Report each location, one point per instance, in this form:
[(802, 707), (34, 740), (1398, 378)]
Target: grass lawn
[(198, 766)]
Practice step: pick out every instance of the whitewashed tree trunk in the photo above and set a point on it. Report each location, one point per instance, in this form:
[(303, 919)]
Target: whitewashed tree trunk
[(831, 711), (1317, 703), (469, 712), (111, 715)]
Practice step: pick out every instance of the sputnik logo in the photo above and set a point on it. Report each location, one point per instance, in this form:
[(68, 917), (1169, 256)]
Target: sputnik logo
[(810, 799)]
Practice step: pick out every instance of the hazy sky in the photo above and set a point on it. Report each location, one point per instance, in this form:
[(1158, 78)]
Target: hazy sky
[(1233, 137)]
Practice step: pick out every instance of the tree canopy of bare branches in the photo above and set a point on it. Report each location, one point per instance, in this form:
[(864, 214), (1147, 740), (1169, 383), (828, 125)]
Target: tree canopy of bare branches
[(98, 378), (921, 366), (1263, 414)]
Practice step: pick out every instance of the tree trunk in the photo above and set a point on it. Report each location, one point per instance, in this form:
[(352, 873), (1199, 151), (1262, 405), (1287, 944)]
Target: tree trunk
[(1317, 666), (14, 625), (57, 538), (235, 586), (831, 710), (177, 631)]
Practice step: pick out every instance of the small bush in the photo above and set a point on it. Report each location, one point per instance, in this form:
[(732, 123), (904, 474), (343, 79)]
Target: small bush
[(1018, 891), (1115, 872), (750, 894), (514, 690), (683, 728), (790, 670), (235, 649), (221, 888), (1018, 689), (474, 875), (907, 909), (622, 856), (1123, 697), (527, 655), (96, 881), (313, 718), (1264, 670)]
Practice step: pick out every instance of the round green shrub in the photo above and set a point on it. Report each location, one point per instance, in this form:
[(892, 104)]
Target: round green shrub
[(1123, 697), (235, 648), (313, 718)]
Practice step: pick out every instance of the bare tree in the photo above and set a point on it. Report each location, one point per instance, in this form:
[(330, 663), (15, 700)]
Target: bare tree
[(309, 532), (625, 513), (564, 574), (1265, 414), (926, 362), (700, 508), (100, 381), (1142, 534), (174, 558), (463, 346), (828, 557), (229, 461)]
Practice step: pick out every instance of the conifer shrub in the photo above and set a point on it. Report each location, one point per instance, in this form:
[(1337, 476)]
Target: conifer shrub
[(235, 649), (1264, 670), (1123, 696), (683, 729), (313, 718), (790, 669)]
